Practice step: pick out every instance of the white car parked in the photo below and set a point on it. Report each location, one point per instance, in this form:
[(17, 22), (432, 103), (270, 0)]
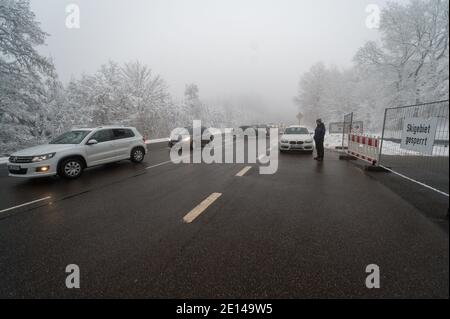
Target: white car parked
[(297, 138), (69, 154)]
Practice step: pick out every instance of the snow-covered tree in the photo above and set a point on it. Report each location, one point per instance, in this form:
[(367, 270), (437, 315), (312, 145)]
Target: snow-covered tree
[(192, 102), (147, 98), (311, 92), (413, 54), (34, 105), (130, 94), (28, 82), (325, 93), (409, 65)]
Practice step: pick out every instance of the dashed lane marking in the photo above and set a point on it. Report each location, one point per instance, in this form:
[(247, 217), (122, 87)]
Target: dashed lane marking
[(194, 213), (243, 171)]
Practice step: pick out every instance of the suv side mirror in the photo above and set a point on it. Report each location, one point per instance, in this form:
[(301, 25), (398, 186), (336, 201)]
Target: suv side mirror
[(92, 142)]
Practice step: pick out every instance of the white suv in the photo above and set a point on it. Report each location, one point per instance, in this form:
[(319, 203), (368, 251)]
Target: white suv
[(73, 151)]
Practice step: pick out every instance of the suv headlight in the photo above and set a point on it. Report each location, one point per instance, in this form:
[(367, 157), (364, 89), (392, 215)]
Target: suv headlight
[(40, 158), (284, 141), (308, 141)]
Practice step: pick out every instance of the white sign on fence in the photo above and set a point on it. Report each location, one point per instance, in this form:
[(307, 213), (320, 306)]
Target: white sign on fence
[(418, 135)]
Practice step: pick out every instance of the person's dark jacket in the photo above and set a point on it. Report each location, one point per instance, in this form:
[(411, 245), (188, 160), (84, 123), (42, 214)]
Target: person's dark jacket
[(319, 133)]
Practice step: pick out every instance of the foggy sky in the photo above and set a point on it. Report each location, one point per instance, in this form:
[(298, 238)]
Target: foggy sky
[(227, 47)]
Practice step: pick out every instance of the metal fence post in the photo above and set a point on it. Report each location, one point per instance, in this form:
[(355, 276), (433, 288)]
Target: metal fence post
[(382, 137), (345, 126)]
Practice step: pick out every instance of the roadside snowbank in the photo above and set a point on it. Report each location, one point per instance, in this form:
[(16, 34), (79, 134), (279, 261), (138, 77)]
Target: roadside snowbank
[(392, 148), (332, 141)]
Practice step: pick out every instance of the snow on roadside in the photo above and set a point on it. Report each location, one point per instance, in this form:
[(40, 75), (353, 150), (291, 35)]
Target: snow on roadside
[(332, 141), (392, 148)]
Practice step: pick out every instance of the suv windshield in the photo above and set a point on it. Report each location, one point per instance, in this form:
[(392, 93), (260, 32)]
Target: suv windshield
[(296, 130), (72, 137)]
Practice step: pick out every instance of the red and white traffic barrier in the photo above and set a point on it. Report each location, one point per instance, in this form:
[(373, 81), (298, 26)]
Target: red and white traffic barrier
[(364, 147)]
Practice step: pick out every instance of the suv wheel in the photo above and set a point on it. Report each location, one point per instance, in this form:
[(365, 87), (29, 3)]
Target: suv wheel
[(71, 168), (137, 155)]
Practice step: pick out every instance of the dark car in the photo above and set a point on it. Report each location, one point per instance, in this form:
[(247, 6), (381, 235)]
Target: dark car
[(244, 127), (178, 136)]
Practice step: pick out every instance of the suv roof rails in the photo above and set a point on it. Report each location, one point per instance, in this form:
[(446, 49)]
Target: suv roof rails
[(97, 127)]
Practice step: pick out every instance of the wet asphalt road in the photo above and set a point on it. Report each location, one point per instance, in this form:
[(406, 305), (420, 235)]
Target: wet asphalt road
[(308, 231)]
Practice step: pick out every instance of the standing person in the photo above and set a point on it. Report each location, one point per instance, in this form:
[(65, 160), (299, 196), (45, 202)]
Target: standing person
[(319, 136)]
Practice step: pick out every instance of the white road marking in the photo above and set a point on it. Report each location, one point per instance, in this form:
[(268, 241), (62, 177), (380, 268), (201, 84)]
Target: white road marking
[(414, 181), (194, 213), (160, 164), (243, 171), (25, 204)]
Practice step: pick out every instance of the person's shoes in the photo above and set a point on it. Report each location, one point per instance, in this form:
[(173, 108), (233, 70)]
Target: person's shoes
[(320, 159), (316, 158)]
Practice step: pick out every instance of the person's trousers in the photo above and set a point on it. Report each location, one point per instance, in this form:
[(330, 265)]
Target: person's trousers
[(320, 150)]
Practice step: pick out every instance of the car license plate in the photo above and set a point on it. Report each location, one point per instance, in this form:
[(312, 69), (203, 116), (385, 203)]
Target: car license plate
[(14, 167), (297, 146)]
